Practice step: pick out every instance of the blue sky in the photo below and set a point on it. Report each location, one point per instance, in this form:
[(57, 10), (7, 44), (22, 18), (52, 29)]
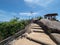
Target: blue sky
[(22, 8)]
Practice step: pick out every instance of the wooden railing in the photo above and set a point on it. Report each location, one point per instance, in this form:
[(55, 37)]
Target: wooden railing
[(11, 38)]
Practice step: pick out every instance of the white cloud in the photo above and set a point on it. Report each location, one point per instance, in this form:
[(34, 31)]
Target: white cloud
[(28, 14), (38, 2)]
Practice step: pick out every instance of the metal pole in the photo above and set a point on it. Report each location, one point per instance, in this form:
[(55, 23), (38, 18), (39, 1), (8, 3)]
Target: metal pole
[(31, 19)]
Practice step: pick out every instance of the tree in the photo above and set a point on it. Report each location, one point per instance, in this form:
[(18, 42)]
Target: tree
[(39, 18)]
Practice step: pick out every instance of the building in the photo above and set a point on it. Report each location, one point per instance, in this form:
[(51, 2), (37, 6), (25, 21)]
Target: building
[(51, 16)]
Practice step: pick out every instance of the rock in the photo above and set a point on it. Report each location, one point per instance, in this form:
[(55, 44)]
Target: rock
[(56, 36), (51, 24)]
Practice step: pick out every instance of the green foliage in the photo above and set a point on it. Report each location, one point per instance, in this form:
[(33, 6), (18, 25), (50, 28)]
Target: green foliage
[(40, 18), (10, 28)]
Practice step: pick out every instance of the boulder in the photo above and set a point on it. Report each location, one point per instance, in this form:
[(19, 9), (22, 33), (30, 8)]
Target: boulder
[(51, 24), (56, 36)]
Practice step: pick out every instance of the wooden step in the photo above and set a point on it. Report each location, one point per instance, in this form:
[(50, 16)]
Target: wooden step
[(42, 37), (24, 41), (37, 30), (34, 40), (36, 27)]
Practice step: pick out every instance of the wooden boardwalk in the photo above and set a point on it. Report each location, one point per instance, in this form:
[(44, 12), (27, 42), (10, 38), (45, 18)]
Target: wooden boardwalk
[(36, 37)]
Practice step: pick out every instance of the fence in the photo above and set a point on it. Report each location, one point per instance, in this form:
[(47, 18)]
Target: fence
[(11, 38)]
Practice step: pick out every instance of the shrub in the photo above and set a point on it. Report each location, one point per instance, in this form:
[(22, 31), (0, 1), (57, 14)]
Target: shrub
[(10, 28)]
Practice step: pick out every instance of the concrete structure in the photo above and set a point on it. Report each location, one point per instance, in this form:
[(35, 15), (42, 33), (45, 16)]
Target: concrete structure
[(51, 16)]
